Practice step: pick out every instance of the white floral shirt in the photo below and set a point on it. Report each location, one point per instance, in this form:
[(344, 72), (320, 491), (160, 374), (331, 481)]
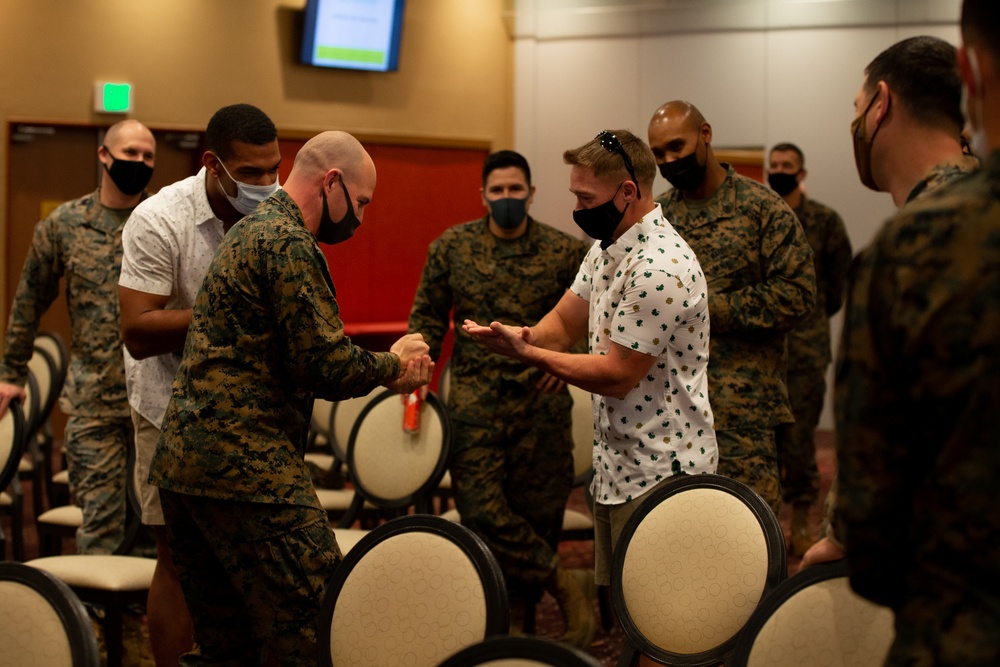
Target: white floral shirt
[(647, 293), (169, 242)]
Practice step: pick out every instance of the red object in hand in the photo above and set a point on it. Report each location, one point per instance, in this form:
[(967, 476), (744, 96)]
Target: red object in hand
[(412, 403)]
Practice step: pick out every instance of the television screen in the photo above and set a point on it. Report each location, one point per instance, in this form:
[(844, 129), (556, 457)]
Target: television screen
[(352, 34)]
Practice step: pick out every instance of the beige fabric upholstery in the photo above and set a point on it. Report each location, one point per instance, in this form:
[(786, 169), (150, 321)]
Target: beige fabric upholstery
[(695, 570), (344, 416), (39, 367), (8, 447), (104, 572), (826, 625), (31, 633), (348, 538), (321, 461), (414, 599), (64, 515), (61, 477), (575, 520), (337, 500), (5, 498), (583, 431), (389, 462)]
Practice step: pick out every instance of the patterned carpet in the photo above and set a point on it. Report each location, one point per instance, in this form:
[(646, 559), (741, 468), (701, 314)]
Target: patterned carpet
[(607, 644)]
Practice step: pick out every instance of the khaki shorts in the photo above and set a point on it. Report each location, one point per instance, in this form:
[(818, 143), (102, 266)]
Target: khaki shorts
[(146, 437), (609, 520)]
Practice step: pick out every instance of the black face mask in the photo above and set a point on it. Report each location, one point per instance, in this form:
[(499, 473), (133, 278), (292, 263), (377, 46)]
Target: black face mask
[(508, 212), (684, 173), (331, 232), (129, 176), (600, 222), (783, 184)]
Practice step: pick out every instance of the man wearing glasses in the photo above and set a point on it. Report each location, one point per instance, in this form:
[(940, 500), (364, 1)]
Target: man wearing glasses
[(761, 282), (641, 299)]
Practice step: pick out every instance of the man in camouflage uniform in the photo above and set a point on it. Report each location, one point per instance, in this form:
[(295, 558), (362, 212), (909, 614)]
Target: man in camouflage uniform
[(511, 463), (253, 548), (168, 244), (640, 300), (912, 149), (918, 385), (81, 240), (761, 283), (809, 341)]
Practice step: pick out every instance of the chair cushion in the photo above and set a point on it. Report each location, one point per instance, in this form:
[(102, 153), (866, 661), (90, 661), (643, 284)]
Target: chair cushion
[(61, 477), (64, 515), (31, 632), (347, 538), (575, 520), (106, 572)]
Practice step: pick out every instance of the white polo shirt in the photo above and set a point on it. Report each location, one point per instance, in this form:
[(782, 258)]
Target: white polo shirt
[(169, 242), (647, 293)]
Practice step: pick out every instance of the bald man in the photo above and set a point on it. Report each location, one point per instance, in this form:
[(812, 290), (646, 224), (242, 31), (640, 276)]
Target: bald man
[(81, 240), (761, 282), (253, 547)]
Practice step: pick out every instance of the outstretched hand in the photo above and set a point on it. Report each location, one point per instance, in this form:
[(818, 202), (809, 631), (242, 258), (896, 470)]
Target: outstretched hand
[(501, 338)]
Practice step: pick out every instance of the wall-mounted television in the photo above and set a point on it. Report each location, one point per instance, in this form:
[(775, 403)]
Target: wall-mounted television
[(353, 34)]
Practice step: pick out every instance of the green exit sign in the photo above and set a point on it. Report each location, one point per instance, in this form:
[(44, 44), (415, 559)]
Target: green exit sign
[(112, 97)]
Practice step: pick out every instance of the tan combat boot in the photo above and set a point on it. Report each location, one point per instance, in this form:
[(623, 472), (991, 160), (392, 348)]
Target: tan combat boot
[(576, 607), (801, 537)]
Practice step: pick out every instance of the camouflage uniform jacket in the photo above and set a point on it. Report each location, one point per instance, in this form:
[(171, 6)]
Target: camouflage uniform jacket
[(485, 278), (855, 316), (80, 240), (761, 282), (809, 341), (265, 337)]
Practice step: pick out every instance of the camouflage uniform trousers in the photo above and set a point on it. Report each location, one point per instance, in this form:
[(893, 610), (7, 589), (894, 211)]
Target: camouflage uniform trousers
[(254, 577), (796, 442), (511, 482), (95, 449), (749, 456)]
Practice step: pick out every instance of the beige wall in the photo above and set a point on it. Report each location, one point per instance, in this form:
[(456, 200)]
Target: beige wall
[(187, 58)]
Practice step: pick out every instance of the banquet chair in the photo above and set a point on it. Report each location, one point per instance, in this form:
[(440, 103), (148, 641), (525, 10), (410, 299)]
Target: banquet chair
[(814, 618), (42, 622), (342, 417), (390, 469), (692, 563), (413, 591), (12, 441), (520, 652), (113, 581), (39, 433)]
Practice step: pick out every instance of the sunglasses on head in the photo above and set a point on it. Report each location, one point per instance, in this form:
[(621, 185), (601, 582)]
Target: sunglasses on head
[(611, 143)]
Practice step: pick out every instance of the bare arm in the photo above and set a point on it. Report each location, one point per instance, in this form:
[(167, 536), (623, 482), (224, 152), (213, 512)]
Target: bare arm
[(148, 328), (543, 346)]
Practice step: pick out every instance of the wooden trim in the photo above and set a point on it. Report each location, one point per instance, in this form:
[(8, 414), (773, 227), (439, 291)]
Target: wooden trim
[(734, 156), (300, 134)]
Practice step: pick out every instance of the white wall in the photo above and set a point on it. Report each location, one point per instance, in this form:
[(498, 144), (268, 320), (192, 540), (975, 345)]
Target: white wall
[(585, 65)]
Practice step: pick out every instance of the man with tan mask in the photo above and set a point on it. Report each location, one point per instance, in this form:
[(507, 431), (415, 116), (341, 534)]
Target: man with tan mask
[(761, 282), (81, 241), (169, 242), (918, 390), (253, 547)]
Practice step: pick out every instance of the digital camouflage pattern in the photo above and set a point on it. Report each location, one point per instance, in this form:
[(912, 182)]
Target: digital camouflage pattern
[(505, 490), (265, 337), (918, 389), (938, 176), (809, 351), (761, 282), (81, 242), (254, 579)]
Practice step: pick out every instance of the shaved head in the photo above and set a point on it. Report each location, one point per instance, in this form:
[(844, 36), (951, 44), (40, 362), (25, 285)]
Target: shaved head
[(682, 115), (122, 131), (330, 150)]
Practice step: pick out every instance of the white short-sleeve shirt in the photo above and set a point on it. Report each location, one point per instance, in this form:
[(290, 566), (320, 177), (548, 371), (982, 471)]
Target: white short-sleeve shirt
[(169, 242), (647, 293)]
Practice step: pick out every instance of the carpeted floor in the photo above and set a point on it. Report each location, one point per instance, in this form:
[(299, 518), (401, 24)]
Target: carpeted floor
[(607, 644)]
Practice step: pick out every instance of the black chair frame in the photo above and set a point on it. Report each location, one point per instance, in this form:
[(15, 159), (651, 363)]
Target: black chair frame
[(536, 649), (777, 566)]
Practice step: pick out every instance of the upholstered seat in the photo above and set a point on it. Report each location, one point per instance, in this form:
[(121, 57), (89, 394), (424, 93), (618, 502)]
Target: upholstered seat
[(12, 443), (520, 652), (693, 562), (42, 622), (814, 618), (413, 591)]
